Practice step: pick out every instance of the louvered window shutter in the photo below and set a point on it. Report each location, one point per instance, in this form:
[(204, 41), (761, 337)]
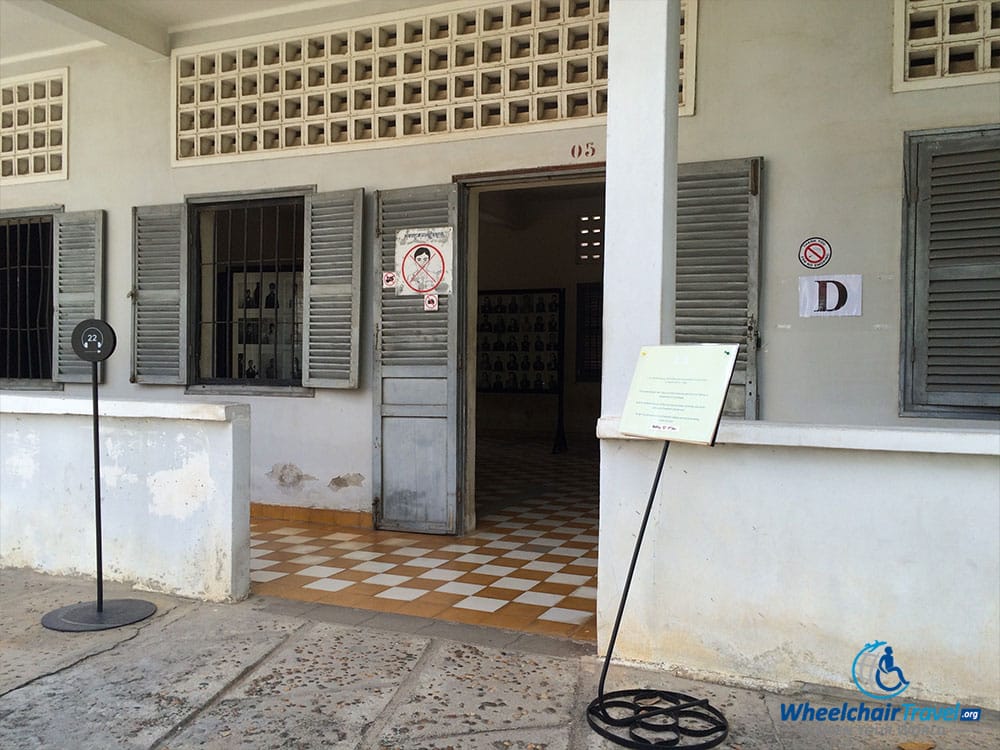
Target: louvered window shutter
[(409, 336), (159, 294), (956, 263), (78, 294), (332, 302), (718, 241)]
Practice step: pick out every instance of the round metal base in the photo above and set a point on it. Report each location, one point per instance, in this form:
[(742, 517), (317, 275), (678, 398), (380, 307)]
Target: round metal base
[(77, 618), (657, 718)]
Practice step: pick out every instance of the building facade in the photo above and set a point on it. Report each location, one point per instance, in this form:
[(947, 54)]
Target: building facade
[(244, 200)]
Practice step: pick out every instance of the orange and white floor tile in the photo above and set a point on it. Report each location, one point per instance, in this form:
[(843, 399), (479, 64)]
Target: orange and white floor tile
[(530, 566)]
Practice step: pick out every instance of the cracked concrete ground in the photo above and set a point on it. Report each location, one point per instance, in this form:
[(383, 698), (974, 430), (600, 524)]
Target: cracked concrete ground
[(267, 673)]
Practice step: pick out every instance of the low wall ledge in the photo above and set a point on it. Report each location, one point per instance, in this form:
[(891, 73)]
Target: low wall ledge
[(984, 442), (200, 411)]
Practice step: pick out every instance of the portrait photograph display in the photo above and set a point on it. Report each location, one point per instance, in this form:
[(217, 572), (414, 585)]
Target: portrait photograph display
[(267, 317), (520, 341)]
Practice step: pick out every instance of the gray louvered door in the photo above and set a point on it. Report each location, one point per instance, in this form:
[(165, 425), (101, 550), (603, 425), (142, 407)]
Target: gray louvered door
[(159, 294), (79, 258), (332, 290), (957, 270), (416, 377), (718, 241)]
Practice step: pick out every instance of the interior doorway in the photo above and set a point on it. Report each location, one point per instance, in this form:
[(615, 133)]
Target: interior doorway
[(538, 279)]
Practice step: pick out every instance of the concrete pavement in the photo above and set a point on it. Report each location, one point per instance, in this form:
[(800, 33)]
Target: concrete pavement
[(268, 673)]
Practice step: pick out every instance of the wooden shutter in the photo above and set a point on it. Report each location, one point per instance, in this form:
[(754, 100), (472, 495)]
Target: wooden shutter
[(416, 376), (332, 300), (409, 336), (956, 287), (159, 294), (78, 294), (718, 241)]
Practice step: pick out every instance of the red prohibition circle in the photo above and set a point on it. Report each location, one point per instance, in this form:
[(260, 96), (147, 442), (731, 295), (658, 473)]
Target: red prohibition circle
[(815, 252), (421, 271)]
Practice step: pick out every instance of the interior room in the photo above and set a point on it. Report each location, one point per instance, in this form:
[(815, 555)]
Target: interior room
[(538, 351)]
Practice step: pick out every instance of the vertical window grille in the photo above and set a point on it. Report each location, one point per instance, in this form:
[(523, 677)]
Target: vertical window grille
[(589, 247), (589, 314), (249, 302), (26, 305)]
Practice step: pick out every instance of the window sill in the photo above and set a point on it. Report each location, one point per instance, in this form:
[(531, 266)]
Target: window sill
[(246, 391), (23, 404), (30, 385), (983, 442)]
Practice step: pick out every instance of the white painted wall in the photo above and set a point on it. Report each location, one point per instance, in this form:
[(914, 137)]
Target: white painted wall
[(778, 564), (175, 509), (808, 86), (776, 557)]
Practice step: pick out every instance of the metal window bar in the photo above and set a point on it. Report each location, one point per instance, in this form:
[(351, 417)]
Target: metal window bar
[(249, 282), (26, 315)]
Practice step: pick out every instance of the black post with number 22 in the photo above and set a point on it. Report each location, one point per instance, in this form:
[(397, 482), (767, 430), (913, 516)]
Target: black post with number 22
[(94, 341)]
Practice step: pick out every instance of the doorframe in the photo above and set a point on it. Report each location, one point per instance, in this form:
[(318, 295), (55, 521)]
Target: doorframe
[(470, 187)]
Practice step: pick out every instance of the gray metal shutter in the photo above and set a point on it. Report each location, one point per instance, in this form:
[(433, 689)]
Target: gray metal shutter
[(78, 240), (718, 244), (956, 358), (159, 294), (332, 300)]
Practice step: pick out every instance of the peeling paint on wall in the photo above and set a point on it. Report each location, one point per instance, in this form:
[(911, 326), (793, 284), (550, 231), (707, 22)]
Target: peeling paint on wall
[(22, 461), (288, 475), (179, 493), (346, 480)]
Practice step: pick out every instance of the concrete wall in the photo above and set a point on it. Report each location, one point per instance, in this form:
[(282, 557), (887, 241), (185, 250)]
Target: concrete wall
[(773, 563), (175, 509), (777, 556)]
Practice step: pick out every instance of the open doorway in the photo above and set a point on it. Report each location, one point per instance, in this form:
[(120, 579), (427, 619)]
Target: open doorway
[(537, 356)]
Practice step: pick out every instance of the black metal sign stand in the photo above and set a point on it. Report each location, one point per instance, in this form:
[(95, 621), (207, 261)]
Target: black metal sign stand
[(641, 718), (94, 341)]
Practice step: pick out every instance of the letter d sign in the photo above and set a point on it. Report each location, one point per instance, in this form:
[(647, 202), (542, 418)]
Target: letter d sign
[(822, 296), (829, 296)]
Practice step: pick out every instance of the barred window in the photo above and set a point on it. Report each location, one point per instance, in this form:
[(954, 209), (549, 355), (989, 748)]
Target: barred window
[(50, 279), (26, 309), (268, 294)]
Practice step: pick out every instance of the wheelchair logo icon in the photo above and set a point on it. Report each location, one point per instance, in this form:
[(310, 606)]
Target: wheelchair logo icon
[(876, 673)]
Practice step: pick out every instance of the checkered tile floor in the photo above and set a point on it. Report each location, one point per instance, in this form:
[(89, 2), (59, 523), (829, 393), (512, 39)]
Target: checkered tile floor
[(531, 565)]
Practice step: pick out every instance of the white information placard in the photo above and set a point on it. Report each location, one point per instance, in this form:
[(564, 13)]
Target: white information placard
[(678, 392), (423, 261)]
